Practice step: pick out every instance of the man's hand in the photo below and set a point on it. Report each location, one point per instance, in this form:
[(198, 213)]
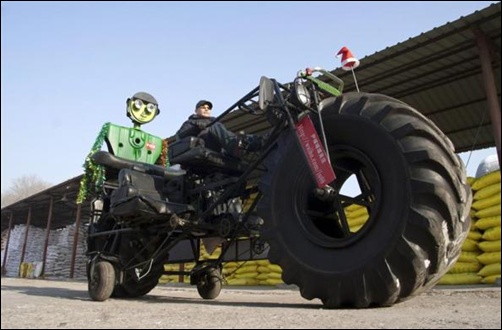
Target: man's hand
[(202, 123)]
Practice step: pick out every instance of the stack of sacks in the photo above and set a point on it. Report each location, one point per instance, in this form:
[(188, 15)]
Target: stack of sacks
[(241, 273), (465, 270), (172, 278), (487, 210), (176, 268), (269, 274), (254, 272), (187, 266), (357, 215), (479, 261)]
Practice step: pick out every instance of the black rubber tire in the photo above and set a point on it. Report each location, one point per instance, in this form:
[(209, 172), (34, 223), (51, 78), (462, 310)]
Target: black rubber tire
[(136, 249), (209, 283), (101, 281), (419, 206), (131, 288)]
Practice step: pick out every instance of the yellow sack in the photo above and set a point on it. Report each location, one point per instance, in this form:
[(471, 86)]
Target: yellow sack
[(237, 281), (486, 180), (275, 268), (489, 212), (488, 222), (360, 220), (357, 213), (262, 276), (466, 278), (486, 202), (492, 234), (465, 267), (352, 207), (468, 256), (228, 270), (473, 224), (491, 269), (172, 267), (274, 275), (273, 281), (487, 258), (474, 235), (469, 245), (246, 275), (471, 180), (233, 264), (490, 279), (489, 246), (247, 269), (252, 281), (486, 192), (263, 269)]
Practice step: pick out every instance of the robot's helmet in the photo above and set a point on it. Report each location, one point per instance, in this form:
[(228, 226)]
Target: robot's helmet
[(145, 97), (142, 108)]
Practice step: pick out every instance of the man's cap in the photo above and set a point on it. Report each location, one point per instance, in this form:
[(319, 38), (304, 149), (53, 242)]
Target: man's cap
[(145, 97), (203, 102)]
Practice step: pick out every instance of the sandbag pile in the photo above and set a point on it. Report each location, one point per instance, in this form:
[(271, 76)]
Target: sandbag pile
[(357, 215), (479, 261), (59, 252), (253, 272), (486, 205)]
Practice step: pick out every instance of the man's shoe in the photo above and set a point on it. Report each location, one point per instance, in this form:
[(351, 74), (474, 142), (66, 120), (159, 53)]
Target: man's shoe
[(253, 143)]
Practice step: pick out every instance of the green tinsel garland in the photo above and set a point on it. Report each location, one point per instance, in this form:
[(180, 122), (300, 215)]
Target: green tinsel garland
[(94, 174)]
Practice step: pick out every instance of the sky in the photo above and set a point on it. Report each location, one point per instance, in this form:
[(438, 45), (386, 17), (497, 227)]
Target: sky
[(68, 67)]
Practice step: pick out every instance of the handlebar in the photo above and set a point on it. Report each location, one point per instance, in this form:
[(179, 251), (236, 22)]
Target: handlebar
[(334, 89)]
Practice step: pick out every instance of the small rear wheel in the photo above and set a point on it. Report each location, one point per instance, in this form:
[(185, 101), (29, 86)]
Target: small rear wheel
[(101, 280), (209, 283)]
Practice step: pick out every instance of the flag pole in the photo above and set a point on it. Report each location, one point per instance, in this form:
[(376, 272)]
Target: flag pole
[(355, 80)]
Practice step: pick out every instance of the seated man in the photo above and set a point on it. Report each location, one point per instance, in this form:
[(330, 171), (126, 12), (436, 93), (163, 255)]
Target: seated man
[(216, 136)]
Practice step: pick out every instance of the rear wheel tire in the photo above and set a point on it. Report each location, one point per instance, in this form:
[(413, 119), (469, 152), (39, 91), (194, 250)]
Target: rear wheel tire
[(412, 185), (101, 281)]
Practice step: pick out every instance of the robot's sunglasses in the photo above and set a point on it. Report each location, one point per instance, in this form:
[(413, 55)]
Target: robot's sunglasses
[(150, 107)]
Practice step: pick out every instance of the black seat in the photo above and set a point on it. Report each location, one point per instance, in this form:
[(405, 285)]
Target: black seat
[(191, 152), (107, 159)]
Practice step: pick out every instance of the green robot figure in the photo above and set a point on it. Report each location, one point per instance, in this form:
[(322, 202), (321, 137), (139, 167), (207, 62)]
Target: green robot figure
[(130, 143)]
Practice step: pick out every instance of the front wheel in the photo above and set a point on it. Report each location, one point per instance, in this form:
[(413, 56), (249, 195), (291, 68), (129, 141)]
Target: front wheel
[(209, 283), (412, 203)]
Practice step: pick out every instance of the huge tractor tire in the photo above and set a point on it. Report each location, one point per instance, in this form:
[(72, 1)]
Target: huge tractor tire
[(413, 195)]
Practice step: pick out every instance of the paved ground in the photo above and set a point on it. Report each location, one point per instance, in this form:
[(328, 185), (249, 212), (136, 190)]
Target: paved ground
[(44, 304)]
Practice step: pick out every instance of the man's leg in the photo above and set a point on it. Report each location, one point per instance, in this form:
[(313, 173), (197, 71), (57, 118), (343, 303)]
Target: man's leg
[(227, 139)]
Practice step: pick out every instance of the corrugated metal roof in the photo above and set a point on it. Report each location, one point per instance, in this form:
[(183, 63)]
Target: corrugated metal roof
[(439, 73)]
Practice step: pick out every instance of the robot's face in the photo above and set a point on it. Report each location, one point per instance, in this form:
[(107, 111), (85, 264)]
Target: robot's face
[(141, 112)]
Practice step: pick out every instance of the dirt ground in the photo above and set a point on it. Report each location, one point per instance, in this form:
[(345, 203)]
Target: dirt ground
[(50, 304)]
